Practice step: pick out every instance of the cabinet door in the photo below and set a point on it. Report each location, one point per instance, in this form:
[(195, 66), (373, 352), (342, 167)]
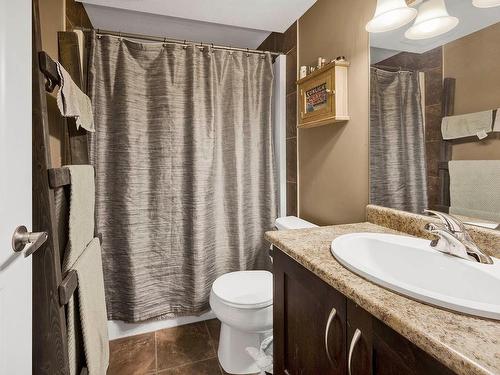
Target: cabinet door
[(393, 355), (309, 322), (359, 340), (379, 350)]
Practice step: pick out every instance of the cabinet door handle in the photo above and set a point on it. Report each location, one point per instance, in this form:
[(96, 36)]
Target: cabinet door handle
[(354, 341), (327, 330)]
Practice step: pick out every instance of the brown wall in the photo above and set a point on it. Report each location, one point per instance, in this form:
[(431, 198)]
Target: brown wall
[(474, 61), (333, 159), (287, 43)]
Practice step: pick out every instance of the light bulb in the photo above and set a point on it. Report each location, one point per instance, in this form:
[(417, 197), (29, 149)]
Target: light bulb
[(432, 20), (486, 3), (390, 15)]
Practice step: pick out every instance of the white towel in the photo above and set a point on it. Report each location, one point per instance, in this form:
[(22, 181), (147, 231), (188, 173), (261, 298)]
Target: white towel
[(83, 254), (473, 124), (92, 309), (496, 126), (73, 102), (474, 188)]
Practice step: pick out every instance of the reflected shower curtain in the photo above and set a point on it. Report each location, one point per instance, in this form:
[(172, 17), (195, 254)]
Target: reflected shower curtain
[(185, 178), (397, 144)]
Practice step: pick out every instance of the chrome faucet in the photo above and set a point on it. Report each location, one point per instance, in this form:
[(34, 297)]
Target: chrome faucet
[(454, 239)]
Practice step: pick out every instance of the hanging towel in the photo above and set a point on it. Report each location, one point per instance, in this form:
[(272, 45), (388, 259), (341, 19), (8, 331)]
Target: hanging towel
[(474, 189), (473, 124), (73, 102), (496, 125), (83, 254), (92, 308)]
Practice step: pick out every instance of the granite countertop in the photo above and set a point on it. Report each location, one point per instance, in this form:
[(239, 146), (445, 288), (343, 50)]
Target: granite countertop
[(465, 344)]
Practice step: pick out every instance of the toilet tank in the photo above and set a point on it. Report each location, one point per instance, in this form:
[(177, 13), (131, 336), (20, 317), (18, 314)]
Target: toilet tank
[(292, 222)]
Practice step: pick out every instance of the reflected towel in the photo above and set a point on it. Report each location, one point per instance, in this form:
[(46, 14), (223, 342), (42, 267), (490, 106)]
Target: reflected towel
[(473, 124), (496, 125), (474, 188), (73, 102)]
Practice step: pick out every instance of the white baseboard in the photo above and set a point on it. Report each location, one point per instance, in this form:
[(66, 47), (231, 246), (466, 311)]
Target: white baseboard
[(118, 329)]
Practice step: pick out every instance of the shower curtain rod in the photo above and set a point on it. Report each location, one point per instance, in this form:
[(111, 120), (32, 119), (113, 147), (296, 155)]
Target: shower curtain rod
[(173, 41)]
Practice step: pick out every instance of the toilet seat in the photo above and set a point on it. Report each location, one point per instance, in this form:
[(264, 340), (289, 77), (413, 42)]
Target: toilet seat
[(245, 289)]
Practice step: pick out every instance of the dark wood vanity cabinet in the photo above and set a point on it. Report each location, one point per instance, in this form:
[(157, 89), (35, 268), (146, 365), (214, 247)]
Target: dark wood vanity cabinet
[(319, 331), (309, 322)]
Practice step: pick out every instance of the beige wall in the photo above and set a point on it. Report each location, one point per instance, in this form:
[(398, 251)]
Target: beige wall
[(333, 159), (474, 61)]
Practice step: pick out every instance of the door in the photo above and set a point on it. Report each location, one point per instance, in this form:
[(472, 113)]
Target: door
[(15, 185), (309, 322)]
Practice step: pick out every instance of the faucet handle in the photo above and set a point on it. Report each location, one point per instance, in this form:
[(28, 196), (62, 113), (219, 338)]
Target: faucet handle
[(452, 224)]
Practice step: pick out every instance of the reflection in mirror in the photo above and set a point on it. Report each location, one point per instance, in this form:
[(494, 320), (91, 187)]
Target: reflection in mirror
[(434, 123)]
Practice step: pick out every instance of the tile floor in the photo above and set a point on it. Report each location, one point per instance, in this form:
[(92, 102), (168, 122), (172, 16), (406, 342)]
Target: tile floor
[(186, 350)]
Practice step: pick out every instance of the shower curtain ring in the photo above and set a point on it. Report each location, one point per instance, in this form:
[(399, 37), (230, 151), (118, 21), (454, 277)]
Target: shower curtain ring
[(165, 42), (248, 52), (120, 35), (98, 33), (185, 45), (201, 46)]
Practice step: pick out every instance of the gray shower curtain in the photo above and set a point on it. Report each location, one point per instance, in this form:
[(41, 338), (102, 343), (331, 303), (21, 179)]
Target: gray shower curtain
[(397, 144), (185, 178)]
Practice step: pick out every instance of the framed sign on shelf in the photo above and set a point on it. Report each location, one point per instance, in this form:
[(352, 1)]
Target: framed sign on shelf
[(323, 96)]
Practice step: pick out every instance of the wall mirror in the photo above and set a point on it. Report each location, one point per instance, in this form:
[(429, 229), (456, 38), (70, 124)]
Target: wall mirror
[(434, 123)]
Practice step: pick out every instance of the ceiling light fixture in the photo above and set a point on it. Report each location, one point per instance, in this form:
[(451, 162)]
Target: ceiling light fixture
[(486, 3), (390, 15), (432, 20)]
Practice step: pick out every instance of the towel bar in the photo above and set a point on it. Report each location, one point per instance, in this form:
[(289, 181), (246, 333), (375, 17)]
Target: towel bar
[(49, 69), (59, 177), (68, 287)]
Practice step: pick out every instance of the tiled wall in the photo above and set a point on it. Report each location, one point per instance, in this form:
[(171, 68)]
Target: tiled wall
[(287, 43), (431, 63), (184, 350)]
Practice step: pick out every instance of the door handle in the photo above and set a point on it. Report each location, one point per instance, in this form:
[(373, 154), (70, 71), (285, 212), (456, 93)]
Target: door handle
[(354, 341), (327, 330), (27, 241)]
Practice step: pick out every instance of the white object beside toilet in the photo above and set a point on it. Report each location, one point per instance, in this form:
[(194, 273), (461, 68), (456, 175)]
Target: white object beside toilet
[(243, 302)]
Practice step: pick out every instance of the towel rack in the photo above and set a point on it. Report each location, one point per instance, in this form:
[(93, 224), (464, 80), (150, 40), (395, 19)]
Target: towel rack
[(52, 289), (49, 69)]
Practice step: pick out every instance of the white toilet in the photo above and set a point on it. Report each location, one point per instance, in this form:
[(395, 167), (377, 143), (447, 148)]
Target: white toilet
[(243, 302)]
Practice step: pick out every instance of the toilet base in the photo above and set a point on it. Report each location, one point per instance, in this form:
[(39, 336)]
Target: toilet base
[(233, 357)]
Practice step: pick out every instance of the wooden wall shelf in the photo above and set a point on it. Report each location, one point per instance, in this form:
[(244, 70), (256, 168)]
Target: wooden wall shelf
[(323, 96)]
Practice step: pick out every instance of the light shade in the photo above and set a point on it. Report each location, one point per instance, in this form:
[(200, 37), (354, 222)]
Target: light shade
[(390, 15), (432, 20), (486, 3)]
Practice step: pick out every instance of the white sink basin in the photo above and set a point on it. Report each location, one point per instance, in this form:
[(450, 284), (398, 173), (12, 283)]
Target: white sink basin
[(409, 266)]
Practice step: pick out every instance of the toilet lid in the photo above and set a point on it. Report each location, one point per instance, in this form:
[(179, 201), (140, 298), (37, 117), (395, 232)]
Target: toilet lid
[(250, 289)]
